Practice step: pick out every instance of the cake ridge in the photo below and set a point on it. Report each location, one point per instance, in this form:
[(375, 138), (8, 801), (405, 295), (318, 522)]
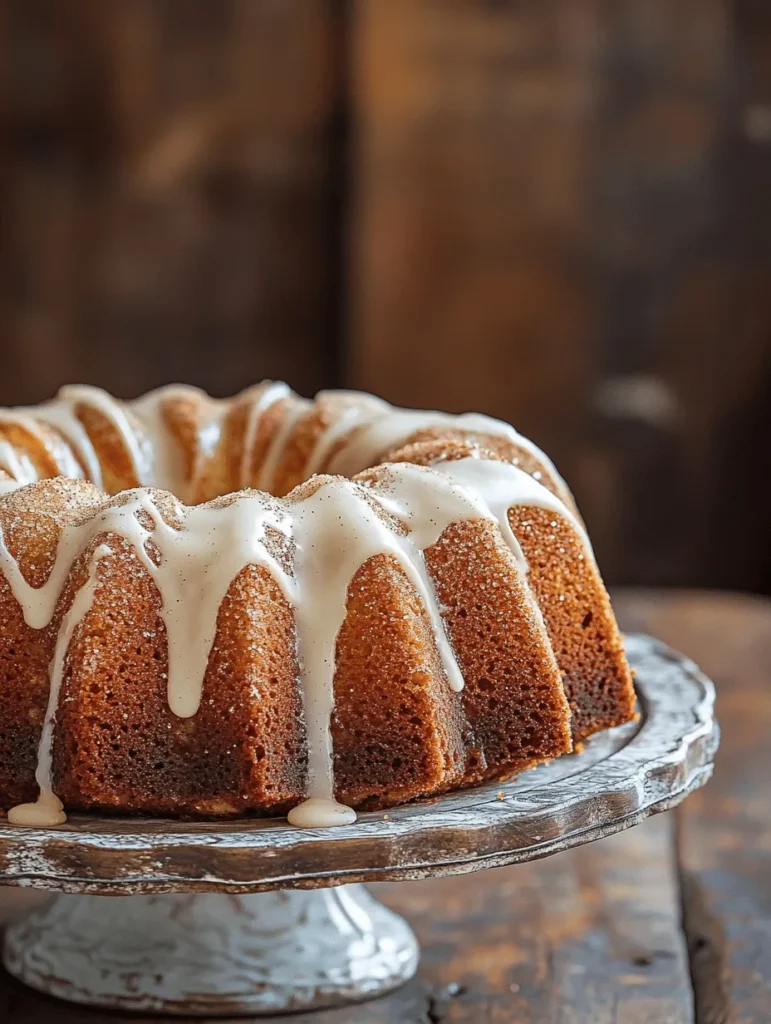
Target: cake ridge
[(268, 394), (366, 429), (428, 497), (334, 524)]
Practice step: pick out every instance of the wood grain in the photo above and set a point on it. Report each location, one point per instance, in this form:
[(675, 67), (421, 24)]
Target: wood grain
[(559, 219), (553, 212), (167, 188), (599, 933), (724, 844), (587, 936), (620, 778), (582, 937), (612, 910), (470, 149)]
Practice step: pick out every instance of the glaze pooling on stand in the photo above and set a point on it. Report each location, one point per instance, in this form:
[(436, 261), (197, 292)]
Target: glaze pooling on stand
[(332, 525)]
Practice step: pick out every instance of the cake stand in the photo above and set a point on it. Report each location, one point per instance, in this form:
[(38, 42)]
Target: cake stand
[(256, 917)]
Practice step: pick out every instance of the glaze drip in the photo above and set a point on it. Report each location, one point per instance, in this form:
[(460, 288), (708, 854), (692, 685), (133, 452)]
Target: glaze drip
[(268, 395), (48, 810), (360, 431), (332, 526)]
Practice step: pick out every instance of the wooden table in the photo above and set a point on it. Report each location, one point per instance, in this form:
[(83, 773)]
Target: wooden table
[(667, 923)]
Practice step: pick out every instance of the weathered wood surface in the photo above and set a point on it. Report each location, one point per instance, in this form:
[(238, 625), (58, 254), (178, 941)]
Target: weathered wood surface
[(584, 937), (560, 219), (619, 779), (595, 936), (724, 847), (557, 212), (166, 177)]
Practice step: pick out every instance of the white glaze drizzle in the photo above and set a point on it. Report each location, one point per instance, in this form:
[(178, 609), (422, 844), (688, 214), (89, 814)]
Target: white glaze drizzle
[(268, 394), (363, 409), (75, 452), (7, 485), (214, 543), (198, 562), (154, 453), (167, 466), (501, 486), (334, 528), (17, 464), (206, 444), (383, 427), (60, 452), (115, 413), (59, 414), (275, 450), (48, 810), (365, 428)]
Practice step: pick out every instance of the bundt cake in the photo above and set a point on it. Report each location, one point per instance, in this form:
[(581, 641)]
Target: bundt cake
[(269, 605)]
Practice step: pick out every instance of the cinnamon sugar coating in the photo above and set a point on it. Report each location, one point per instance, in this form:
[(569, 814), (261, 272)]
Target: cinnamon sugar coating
[(527, 619)]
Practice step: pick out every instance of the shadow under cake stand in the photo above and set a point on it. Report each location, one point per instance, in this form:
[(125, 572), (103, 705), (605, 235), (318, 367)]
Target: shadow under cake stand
[(256, 917)]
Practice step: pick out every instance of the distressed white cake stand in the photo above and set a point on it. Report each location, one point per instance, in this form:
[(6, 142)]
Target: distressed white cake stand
[(256, 917)]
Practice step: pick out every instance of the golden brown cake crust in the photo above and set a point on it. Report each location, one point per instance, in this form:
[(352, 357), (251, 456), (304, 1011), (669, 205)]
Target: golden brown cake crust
[(537, 644), (31, 521), (571, 596), (512, 698), (118, 744), (580, 622), (397, 727)]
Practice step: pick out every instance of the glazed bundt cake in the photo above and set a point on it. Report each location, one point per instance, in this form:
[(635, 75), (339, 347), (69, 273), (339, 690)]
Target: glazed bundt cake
[(270, 605)]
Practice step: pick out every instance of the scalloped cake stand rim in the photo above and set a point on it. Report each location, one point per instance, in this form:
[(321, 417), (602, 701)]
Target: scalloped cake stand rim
[(620, 778)]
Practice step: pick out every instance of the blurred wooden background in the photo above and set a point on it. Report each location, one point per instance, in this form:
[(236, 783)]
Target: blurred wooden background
[(554, 211)]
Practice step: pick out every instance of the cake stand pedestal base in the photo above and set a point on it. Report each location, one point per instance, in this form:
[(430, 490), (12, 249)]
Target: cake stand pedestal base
[(210, 954), (249, 946)]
